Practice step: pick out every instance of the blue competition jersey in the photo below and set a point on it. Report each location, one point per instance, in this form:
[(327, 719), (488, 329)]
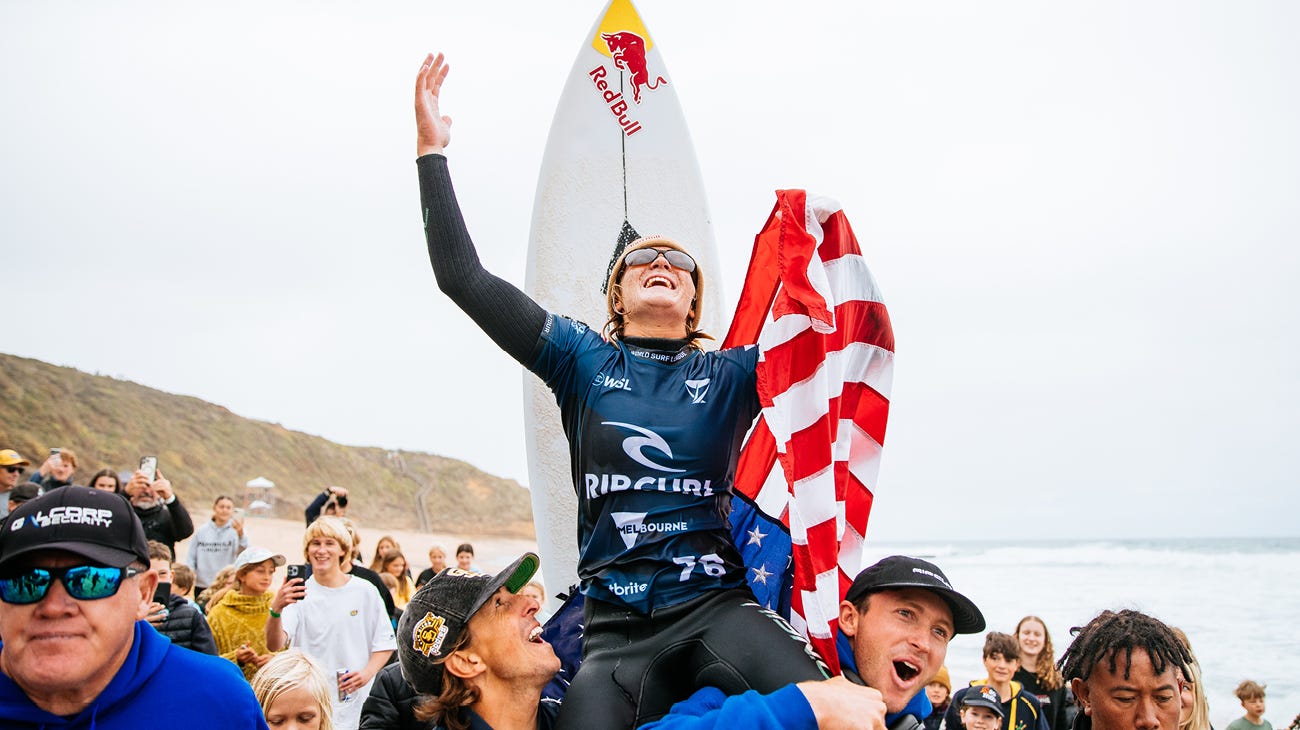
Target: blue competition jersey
[(653, 440)]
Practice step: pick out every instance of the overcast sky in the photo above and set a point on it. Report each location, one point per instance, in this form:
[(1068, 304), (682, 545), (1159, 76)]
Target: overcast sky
[(1083, 216)]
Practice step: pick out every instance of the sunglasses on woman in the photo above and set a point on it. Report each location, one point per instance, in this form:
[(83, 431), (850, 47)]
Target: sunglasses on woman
[(82, 582), (676, 259)]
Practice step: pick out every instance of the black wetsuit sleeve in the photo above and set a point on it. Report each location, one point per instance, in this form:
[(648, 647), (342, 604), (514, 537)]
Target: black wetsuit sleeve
[(508, 316)]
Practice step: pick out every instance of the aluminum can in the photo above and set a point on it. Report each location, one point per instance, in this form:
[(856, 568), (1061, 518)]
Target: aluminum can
[(338, 679)]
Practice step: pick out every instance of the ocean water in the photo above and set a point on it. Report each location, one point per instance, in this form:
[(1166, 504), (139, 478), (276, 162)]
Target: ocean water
[(1237, 599)]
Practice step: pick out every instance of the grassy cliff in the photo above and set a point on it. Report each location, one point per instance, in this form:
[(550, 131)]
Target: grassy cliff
[(205, 450)]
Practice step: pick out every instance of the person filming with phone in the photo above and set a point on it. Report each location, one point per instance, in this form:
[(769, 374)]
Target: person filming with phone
[(164, 518), (57, 470)]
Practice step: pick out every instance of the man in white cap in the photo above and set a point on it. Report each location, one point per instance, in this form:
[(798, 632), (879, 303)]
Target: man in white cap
[(75, 584)]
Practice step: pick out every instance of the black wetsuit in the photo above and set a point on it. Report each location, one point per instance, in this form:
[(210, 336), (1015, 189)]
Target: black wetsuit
[(654, 430)]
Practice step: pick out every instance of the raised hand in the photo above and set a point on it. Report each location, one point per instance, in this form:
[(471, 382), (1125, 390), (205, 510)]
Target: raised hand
[(432, 129)]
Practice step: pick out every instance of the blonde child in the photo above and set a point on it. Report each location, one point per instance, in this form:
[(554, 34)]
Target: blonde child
[(1251, 695), (294, 692)]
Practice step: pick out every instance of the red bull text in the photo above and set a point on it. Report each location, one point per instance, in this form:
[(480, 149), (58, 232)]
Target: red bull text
[(617, 105), (628, 51)]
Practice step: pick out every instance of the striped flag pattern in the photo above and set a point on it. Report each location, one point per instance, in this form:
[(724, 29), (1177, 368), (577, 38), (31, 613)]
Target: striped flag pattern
[(824, 375)]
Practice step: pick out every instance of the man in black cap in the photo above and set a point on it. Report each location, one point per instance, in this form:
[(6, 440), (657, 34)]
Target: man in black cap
[(74, 585), (895, 624), (472, 645), (22, 493)]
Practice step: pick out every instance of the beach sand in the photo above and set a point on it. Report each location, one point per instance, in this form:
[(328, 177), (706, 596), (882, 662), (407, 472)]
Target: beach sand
[(285, 536)]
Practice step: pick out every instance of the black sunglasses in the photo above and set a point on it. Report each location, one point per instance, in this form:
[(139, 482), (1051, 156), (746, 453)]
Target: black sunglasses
[(82, 582), (676, 259), (14, 469)]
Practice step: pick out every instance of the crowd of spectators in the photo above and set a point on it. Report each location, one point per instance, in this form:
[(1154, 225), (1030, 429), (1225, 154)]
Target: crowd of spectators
[(323, 648)]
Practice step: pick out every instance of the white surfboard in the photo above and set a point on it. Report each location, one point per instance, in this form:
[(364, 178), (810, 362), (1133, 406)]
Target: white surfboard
[(619, 164)]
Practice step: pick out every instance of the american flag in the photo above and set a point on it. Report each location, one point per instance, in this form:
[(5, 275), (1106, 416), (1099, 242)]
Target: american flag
[(824, 374)]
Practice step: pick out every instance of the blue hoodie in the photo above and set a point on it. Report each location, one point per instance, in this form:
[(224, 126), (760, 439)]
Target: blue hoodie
[(784, 709), (159, 684)]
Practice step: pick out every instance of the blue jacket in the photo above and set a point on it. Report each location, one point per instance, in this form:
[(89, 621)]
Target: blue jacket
[(157, 684), (786, 708)]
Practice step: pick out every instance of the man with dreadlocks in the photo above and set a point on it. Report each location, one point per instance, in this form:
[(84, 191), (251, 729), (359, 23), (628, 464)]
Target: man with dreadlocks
[(1126, 669)]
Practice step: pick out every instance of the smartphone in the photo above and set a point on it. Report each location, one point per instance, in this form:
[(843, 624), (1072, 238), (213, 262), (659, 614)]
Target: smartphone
[(295, 570), (162, 594), (149, 465), (238, 514), (56, 455)]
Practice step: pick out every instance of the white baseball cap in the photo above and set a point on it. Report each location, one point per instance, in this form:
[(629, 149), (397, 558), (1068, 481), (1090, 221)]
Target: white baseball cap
[(255, 555)]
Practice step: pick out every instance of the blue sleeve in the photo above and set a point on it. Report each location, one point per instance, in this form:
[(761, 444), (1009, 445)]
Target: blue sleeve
[(562, 342), (709, 708)]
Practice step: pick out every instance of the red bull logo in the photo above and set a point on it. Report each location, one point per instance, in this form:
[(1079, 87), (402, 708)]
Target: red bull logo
[(628, 51), (617, 106)]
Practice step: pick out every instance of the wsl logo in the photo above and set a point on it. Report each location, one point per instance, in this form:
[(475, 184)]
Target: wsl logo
[(604, 380), (632, 524)]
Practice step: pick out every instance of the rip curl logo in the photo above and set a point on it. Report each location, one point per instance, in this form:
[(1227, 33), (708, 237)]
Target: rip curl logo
[(17, 524), (697, 389), (632, 446), (428, 634)]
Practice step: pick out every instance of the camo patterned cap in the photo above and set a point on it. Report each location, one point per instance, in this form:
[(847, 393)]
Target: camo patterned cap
[(438, 613)]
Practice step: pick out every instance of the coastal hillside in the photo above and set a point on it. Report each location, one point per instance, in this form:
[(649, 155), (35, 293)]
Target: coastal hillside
[(205, 450)]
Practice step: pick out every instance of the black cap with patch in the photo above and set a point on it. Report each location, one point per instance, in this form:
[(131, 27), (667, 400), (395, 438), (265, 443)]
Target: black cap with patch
[(438, 613), (96, 524), (900, 571), (983, 696)]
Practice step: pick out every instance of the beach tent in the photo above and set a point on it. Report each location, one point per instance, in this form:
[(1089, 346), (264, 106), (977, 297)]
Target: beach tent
[(259, 495)]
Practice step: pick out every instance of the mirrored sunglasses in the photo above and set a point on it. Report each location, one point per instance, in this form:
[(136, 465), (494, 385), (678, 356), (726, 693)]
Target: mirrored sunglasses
[(676, 259), (82, 582)]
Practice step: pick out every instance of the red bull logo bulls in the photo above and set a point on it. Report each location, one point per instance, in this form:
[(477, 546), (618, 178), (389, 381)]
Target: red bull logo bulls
[(628, 51)]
